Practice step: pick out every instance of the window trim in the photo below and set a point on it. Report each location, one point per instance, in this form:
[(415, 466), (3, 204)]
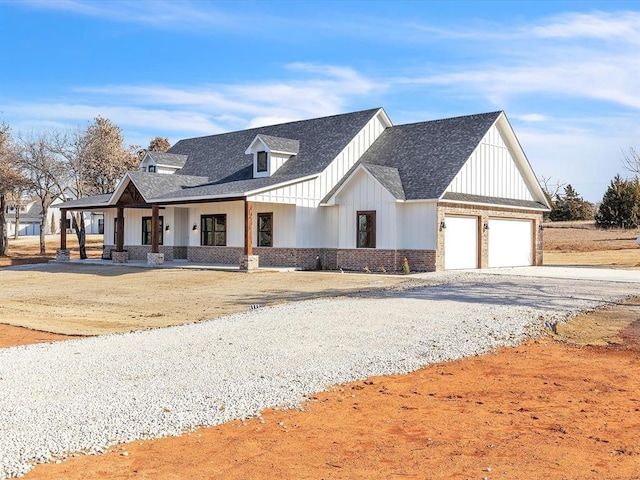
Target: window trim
[(258, 231), (160, 230), (204, 232), (371, 243), (152, 169), (266, 161)]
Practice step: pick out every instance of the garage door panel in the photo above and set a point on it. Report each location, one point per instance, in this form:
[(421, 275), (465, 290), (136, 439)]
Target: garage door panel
[(461, 243), (510, 243)]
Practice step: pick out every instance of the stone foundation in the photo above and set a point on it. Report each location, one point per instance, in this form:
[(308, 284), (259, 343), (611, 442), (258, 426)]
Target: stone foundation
[(155, 258), (120, 257), (249, 263), (63, 255)]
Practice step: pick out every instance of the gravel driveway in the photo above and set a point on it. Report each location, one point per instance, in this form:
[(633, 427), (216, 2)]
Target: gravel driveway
[(85, 395)]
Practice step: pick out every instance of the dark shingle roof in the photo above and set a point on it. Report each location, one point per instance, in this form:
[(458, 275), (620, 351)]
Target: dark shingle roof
[(507, 202), (94, 201), (279, 144), (221, 158), (389, 178), (428, 155), (169, 159)]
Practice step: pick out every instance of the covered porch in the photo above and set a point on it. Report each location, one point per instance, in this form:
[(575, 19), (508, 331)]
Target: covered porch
[(169, 230)]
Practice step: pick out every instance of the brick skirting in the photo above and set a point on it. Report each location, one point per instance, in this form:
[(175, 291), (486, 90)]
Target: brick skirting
[(303, 258)]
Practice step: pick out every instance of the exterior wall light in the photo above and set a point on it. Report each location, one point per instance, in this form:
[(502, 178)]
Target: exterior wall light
[(485, 227), (195, 227), (167, 228), (442, 225)]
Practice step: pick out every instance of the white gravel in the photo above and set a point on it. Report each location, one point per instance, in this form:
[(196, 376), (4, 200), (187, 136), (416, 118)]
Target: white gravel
[(86, 395)]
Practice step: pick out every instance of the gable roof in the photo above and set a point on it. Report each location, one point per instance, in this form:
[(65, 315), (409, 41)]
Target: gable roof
[(279, 144), (168, 159), (222, 158), (428, 155)]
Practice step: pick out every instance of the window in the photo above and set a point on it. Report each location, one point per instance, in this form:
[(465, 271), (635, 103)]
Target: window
[(366, 230), (265, 229), (146, 230), (152, 169), (115, 230), (101, 226), (213, 230), (262, 162)]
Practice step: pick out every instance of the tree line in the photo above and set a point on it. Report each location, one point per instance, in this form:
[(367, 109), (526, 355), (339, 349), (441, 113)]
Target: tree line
[(64, 164), (619, 207)]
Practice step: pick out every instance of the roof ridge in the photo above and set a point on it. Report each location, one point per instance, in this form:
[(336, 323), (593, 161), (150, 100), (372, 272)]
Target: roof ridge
[(283, 123), (437, 120)]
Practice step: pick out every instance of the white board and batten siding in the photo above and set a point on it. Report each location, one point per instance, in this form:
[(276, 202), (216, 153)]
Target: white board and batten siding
[(510, 242), (364, 193), (309, 193), (318, 226), (460, 243), (417, 225), (235, 221), (491, 171)]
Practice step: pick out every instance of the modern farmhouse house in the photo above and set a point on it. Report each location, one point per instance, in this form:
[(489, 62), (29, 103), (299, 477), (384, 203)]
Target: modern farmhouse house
[(346, 191)]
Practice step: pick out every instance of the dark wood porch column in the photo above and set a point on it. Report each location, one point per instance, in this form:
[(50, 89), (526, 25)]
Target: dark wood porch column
[(63, 229), (248, 228), (154, 228), (120, 230)]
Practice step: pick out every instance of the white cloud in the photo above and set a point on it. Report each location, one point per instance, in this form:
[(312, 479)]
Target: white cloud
[(315, 90), (154, 13), (600, 25)]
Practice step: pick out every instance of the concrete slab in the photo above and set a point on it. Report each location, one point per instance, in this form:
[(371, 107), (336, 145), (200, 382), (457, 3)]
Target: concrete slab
[(576, 273)]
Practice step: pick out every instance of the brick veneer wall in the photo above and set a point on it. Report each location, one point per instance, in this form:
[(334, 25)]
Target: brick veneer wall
[(390, 260), (303, 258), (139, 252), (483, 214), (220, 255)]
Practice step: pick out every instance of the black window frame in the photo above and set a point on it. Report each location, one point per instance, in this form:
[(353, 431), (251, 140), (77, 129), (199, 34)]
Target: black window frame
[(146, 230), (262, 156), (366, 238), (262, 231), (207, 235), (152, 169)]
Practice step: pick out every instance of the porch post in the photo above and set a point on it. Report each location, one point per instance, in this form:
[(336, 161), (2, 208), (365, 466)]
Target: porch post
[(120, 256), (154, 228), (248, 228), (120, 230), (63, 229), (155, 257), (248, 261), (62, 254)]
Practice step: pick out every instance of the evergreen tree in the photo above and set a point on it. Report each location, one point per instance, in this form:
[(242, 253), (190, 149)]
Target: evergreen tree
[(620, 207), (570, 206)]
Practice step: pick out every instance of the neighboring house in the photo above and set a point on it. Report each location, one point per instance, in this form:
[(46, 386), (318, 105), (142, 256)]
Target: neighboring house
[(28, 218), (31, 216), (347, 191)]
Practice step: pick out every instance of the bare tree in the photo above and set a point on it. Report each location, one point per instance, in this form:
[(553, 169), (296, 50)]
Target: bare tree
[(71, 149), (105, 159), (10, 180), (157, 144), (45, 172), (631, 161), (552, 188)]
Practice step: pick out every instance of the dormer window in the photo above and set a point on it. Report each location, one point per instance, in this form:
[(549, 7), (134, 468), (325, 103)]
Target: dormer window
[(262, 162), (270, 153), (152, 169)]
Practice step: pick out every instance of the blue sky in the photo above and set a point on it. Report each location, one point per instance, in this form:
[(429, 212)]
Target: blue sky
[(566, 73)]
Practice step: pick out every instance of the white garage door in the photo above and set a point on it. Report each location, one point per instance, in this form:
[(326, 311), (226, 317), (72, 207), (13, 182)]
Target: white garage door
[(510, 243), (460, 243)]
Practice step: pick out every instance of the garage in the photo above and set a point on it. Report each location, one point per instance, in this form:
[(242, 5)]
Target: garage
[(460, 242), (510, 243)]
